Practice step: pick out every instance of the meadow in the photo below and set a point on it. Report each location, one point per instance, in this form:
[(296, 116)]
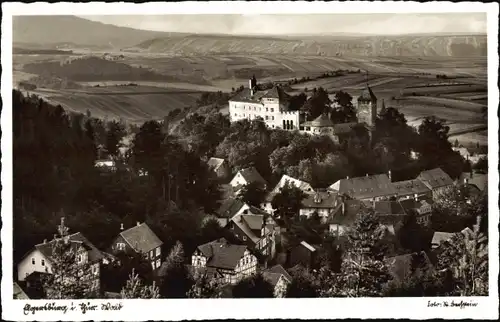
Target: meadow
[(407, 83)]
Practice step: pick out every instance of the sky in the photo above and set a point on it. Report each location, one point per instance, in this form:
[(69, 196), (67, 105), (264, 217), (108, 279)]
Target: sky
[(380, 23)]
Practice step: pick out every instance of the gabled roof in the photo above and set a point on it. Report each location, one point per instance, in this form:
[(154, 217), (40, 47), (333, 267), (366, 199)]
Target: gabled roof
[(302, 185), (410, 187), (367, 95), (307, 246), (440, 237), (351, 209), (321, 121), (230, 207), (476, 179), (77, 240), (215, 163), (248, 225), (19, 294), (141, 238), (435, 178), (271, 277), (321, 200), (252, 175), (365, 187), (221, 254), (246, 95), (278, 269), (412, 204), (405, 265), (388, 207)]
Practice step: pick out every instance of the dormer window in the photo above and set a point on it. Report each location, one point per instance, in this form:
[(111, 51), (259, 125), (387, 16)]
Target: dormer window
[(32, 261)]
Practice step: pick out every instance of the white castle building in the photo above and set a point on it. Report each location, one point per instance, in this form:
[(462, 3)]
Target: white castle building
[(273, 107), (270, 105)]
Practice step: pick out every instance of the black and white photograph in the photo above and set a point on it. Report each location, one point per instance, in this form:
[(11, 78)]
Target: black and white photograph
[(268, 155)]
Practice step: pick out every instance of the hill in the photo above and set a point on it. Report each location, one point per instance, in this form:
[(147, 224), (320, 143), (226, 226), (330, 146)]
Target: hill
[(53, 31), (405, 45), (93, 69)]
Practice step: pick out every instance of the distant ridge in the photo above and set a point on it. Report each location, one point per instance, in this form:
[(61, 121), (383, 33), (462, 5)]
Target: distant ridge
[(67, 32)]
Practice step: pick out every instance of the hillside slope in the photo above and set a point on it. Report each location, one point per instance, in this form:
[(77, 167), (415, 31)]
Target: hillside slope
[(53, 30), (422, 45)]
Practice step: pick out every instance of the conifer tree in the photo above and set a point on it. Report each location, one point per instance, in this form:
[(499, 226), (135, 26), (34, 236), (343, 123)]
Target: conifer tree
[(134, 289)]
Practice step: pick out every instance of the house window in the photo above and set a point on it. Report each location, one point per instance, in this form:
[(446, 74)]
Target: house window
[(267, 117), (120, 246), (272, 118), (151, 253), (272, 110), (33, 261), (153, 265), (43, 262), (158, 263), (158, 251), (79, 259)]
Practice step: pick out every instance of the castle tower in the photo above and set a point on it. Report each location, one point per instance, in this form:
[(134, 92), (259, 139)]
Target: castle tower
[(367, 107)]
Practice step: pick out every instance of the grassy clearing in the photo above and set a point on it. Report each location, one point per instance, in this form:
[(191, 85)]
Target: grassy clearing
[(136, 105)]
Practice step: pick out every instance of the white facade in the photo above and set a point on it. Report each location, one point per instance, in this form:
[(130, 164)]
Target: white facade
[(238, 180), (322, 212), (269, 109), (33, 262)]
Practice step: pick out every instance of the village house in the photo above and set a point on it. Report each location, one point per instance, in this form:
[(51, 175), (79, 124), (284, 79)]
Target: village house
[(470, 154), (106, 164), (369, 188), (439, 237), (226, 262), (411, 188), (341, 220), (220, 167), (256, 229), (279, 278), (390, 214), (437, 180), (139, 239), (39, 260), (231, 207), (247, 176), (477, 183), (271, 105), (421, 207), (402, 267), (303, 254), (322, 203), (285, 179)]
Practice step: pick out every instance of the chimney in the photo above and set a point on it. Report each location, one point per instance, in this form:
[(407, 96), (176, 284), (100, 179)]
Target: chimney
[(347, 177), (121, 226), (389, 174), (138, 223), (367, 174), (466, 181), (45, 241)]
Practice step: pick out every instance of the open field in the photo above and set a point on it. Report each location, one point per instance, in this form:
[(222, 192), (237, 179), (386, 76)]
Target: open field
[(134, 104), (407, 83)]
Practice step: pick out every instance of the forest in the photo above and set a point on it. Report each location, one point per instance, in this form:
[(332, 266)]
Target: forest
[(54, 173)]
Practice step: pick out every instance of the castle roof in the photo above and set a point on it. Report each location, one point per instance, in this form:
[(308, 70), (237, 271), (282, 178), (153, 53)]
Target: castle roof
[(367, 95), (275, 92), (321, 121)]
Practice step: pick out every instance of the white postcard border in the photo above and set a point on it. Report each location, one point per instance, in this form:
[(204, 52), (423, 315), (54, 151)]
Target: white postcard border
[(140, 310)]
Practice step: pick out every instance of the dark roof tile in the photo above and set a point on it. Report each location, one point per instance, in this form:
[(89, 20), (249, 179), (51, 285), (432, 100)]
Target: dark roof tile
[(141, 238)]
